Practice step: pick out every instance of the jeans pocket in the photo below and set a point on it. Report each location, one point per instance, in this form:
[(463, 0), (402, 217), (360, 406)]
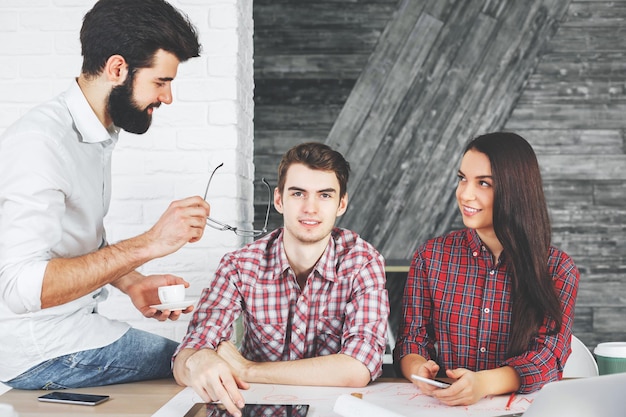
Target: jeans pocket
[(50, 385)]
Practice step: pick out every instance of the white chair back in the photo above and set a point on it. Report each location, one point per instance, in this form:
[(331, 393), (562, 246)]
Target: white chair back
[(581, 362)]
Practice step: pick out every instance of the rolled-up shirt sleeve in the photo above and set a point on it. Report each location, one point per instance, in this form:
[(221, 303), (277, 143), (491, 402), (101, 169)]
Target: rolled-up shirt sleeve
[(55, 189), (365, 326), (416, 315), (218, 308), (32, 204)]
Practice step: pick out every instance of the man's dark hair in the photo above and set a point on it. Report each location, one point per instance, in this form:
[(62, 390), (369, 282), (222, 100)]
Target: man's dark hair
[(136, 30), (317, 156)]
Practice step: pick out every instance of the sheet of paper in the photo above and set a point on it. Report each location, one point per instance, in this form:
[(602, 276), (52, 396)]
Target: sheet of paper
[(398, 397), (348, 405), (179, 404)]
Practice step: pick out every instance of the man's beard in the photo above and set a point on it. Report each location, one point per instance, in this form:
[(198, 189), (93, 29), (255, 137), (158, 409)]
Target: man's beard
[(123, 110)]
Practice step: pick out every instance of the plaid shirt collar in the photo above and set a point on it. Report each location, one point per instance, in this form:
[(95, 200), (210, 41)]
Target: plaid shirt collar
[(476, 246), (326, 266)]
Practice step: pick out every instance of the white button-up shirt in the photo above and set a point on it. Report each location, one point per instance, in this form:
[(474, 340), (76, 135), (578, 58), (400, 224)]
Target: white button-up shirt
[(55, 189)]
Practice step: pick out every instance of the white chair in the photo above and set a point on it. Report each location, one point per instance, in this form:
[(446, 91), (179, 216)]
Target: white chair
[(581, 362)]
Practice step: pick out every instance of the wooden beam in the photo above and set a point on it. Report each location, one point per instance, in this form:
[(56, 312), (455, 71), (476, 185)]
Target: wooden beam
[(373, 77), (403, 128)]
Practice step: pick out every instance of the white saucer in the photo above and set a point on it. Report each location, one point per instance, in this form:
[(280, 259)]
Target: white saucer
[(181, 305)]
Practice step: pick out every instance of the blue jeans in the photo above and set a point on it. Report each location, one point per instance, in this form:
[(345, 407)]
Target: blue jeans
[(136, 356)]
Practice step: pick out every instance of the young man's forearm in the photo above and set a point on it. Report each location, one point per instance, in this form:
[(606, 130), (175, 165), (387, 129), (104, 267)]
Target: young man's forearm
[(331, 370)]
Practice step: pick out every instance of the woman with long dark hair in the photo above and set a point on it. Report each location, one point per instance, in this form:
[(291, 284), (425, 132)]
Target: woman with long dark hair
[(490, 306)]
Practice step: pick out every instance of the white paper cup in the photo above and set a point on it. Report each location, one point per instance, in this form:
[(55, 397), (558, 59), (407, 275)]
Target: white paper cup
[(172, 293), (611, 357)]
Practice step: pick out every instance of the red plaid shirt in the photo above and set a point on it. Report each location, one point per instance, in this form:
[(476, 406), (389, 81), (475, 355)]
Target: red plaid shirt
[(456, 297), (343, 307)]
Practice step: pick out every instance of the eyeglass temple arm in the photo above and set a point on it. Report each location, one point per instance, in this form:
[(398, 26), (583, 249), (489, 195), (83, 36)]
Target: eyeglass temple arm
[(269, 203), (269, 200), (206, 191)]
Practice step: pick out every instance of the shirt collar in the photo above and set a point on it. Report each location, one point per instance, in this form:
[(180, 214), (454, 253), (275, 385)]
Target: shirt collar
[(278, 252), (476, 245), (325, 266), (87, 123)]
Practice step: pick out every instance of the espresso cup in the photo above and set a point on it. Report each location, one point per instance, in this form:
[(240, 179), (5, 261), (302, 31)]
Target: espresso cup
[(172, 293)]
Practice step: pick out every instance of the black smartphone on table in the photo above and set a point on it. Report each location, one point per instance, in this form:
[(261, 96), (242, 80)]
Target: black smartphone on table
[(73, 398)]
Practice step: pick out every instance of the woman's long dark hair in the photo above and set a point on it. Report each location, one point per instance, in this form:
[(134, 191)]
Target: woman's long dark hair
[(522, 225)]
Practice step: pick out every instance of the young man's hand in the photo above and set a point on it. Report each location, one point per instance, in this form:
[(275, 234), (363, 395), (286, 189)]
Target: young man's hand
[(229, 353), (211, 378)]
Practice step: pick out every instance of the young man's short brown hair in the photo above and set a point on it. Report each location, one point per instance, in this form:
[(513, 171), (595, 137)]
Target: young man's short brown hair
[(316, 156)]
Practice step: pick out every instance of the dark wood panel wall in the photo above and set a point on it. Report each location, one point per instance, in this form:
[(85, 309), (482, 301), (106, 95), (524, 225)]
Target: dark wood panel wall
[(573, 110), (400, 85), (307, 58)]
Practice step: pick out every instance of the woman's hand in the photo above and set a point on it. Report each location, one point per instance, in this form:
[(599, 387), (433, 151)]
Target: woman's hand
[(465, 390)]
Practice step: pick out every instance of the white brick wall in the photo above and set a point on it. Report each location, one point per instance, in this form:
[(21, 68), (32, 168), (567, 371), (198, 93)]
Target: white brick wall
[(210, 121)]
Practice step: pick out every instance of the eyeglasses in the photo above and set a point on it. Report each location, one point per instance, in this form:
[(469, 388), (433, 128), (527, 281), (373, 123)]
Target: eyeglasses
[(216, 224)]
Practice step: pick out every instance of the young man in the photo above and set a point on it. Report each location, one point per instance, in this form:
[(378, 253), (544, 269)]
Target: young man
[(55, 189), (312, 296)]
